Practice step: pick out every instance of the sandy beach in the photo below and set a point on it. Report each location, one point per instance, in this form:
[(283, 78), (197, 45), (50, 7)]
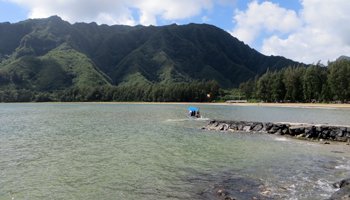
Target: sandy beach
[(296, 105)]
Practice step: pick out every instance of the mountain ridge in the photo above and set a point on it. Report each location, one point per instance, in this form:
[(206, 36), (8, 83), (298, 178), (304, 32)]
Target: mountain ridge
[(89, 55)]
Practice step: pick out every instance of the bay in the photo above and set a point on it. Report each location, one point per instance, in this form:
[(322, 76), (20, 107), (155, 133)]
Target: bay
[(153, 151)]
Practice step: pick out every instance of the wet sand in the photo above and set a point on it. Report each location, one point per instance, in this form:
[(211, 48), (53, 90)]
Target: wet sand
[(296, 105)]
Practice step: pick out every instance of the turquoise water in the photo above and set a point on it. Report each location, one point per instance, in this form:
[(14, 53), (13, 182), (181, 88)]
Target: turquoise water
[(135, 151)]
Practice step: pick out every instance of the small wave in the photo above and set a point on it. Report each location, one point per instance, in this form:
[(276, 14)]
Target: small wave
[(177, 120), (187, 119), (325, 186), (282, 139), (203, 119), (345, 165)]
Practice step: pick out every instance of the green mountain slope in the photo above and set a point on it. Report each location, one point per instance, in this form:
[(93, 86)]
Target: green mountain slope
[(51, 54)]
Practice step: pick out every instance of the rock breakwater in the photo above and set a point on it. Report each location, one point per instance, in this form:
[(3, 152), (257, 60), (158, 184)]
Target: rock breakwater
[(297, 130)]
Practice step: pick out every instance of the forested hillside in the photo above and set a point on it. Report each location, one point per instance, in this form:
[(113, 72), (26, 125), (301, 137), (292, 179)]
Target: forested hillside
[(43, 59)]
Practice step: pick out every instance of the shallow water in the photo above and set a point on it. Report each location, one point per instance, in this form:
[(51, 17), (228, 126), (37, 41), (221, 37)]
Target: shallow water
[(135, 151)]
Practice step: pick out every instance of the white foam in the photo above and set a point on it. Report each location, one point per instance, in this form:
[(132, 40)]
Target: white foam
[(346, 167), (177, 120), (202, 119), (282, 139)]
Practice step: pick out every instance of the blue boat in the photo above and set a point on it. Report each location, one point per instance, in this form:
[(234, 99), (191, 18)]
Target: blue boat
[(193, 112)]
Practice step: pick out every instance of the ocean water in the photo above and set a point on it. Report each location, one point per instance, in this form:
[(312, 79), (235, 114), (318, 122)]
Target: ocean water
[(153, 151)]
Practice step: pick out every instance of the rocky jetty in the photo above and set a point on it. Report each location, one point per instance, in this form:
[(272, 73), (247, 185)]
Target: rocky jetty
[(297, 130)]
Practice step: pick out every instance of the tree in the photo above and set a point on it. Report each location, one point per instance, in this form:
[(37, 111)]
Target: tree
[(314, 79), (339, 80), (278, 90), (264, 87), (248, 88), (293, 81)]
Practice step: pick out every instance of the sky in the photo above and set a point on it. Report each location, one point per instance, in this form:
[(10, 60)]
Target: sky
[(308, 31)]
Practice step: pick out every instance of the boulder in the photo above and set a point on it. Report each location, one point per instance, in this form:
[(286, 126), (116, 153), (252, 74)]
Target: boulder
[(273, 129), (237, 188), (258, 127), (223, 127), (344, 192), (267, 126), (247, 128)]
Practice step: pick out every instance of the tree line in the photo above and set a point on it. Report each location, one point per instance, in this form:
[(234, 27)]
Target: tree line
[(301, 84), (197, 91)]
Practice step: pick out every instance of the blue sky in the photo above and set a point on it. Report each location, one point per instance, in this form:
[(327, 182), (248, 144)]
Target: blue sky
[(303, 30)]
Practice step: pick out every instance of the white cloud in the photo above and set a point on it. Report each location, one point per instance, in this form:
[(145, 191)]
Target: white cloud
[(100, 11), (170, 10), (262, 17), (116, 11), (318, 32)]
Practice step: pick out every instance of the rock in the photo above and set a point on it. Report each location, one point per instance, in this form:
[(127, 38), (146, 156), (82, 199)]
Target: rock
[(344, 192), (273, 129), (237, 188), (296, 130), (325, 134), (246, 128), (224, 127), (258, 127), (267, 126), (319, 129), (233, 127), (285, 131), (318, 132), (344, 183), (311, 131)]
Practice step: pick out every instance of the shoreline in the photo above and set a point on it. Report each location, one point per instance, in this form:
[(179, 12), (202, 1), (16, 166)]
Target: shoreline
[(295, 105), (291, 105), (287, 105)]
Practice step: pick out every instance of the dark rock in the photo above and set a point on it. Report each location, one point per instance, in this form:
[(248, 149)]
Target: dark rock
[(344, 183), (233, 127), (267, 126), (224, 127), (319, 129), (246, 128), (273, 129), (279, 132), (348, 131), (237, 188), (340, 132), (296, 130), (285, 131), (323, 132), (344, 192), (333, 133), (258, 127)]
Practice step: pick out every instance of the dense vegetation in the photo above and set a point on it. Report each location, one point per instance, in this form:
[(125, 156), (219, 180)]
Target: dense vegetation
[(302, 84), (43, 59), (176, 92)]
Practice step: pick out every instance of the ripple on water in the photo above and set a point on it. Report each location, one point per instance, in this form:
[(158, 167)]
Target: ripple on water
[(96, 151)]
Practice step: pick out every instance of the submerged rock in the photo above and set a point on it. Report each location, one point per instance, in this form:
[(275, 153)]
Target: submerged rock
[(238, 188), (344, 192)]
